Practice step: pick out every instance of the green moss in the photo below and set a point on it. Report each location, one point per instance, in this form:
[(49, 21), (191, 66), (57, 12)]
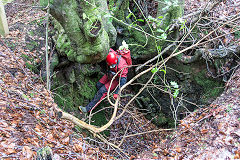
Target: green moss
[(82, 59), (211, 87), (72, 77), (141, 38), (67, 97), (6, 1), (54, 62), (119, 9), (63, 98), (76, 86), (32, 45), (44, 153), (89, 70), (176, 11), (237, 34), (99, 119), (194, 85), (195, 33), (70, 96), (31, 33), (45, 2), (71, 55), (63, 45), (30, 63), (31, 67), (161, 119), (137, 42), (111, 4), (186, 68), (87, 88), (84, 50)]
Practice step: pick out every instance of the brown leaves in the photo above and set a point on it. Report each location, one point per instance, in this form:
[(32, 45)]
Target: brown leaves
[(165, 152), (26, 114), (78, 148), (3, 105), (204, 131), (65, 141), (8, 147), (237, 154), (179, 149), (3, 124), (38, 128), (27, 153), (11, 148)]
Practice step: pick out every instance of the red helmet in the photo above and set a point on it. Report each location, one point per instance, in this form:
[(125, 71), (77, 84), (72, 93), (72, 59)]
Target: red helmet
[(111, 58)]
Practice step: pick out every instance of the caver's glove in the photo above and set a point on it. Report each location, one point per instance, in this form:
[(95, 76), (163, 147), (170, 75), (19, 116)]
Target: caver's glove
[(115, 96), (110, 74), (83, 109), (123, 81)]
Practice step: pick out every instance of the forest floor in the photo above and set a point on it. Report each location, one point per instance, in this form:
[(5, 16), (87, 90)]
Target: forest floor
[(28, 122), (27, 119)]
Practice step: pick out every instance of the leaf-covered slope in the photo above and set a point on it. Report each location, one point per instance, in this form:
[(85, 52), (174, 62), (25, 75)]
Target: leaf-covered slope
[(210, 133), (27, 120)]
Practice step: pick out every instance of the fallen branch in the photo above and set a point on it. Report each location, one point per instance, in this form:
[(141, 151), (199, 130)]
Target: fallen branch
[(82, 124), (111, 144), (156, 130)]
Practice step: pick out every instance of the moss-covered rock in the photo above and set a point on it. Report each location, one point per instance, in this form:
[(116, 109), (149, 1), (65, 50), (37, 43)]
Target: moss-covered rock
[(211, 87), (193, 84), (75, 85), (171, 10)]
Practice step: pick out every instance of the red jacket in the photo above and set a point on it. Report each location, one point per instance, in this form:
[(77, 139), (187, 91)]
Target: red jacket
[(122, 66)]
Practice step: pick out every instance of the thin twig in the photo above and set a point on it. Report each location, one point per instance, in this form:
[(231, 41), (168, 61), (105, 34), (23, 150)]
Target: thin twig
[(46, 46), (157, 130)]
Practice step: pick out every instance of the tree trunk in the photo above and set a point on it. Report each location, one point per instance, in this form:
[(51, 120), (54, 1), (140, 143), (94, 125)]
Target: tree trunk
[(86, 31)]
